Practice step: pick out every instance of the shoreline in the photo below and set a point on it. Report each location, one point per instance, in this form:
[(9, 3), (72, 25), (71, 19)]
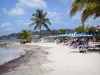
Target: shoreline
[(10, 52), (53, 59), (24, 59)]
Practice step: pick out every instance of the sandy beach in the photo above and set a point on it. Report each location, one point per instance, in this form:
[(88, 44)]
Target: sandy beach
[(53, 59)]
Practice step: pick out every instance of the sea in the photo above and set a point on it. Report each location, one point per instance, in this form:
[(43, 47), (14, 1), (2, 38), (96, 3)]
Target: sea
[(9, 40), (8, 53)]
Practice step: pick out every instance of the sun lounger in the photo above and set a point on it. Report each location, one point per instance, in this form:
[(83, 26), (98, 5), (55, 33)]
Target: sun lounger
[(82, 48), (98, 46), (85, 48)]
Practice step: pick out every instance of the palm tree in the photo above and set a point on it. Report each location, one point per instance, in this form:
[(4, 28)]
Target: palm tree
[(25, 36), (39, 19), (88, 8), (92, 29), (85, 28), (80, 29)]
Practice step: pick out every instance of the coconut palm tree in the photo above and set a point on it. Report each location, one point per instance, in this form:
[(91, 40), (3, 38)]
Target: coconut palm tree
[(40, 20), (88, 8), (25, 36)]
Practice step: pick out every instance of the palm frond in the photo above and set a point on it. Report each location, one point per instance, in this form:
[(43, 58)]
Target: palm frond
[(36, 26), (44, 15), (97, 10), (46, 26), (32, 24), (96, 15), (46, 20), (86, 13), (75, 8), (86, 6), (39, 19), (35, 19)]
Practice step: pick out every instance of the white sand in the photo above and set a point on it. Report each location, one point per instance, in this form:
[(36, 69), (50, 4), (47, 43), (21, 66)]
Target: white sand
[(66, 61)]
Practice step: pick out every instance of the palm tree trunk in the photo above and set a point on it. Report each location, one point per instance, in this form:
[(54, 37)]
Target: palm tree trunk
[(40, 32)]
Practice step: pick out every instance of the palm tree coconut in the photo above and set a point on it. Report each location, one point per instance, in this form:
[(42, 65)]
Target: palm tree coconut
[(40, 20)]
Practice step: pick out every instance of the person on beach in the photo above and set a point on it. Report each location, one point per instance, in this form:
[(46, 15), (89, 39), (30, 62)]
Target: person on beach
[(87, 41)]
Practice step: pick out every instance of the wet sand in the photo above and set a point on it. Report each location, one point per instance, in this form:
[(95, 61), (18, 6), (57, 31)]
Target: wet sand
[(8, 53), (28, 64)]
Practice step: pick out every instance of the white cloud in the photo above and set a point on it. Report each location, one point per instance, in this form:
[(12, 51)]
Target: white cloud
[(4, 25), (18, 9), (26, 23), (9, 29), (22, 22), (54, 16), (63, 1), (68, 12), (14, 11), (6, 28), (56, 20), (32, 3), (77, 16)]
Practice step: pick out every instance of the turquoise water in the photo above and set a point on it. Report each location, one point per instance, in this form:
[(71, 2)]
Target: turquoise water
[(9, 40)]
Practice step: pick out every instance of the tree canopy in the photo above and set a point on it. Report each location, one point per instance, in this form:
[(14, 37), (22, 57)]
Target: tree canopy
[(88, 8), (39, 19)]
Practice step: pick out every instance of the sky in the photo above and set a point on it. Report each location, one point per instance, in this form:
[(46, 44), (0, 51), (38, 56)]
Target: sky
[(15, 15)]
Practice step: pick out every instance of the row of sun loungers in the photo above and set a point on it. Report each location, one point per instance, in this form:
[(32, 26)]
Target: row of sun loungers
[(82, 46)]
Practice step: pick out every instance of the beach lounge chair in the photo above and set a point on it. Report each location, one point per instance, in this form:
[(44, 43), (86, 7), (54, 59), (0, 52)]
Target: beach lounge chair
[(85, 47), (98, 46), (82, 48)]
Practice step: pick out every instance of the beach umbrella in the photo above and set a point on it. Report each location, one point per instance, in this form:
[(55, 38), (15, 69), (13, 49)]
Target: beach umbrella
[(74, 34), (66, 35), (78, 34), (83, 34), (69, 35), (61, 35)]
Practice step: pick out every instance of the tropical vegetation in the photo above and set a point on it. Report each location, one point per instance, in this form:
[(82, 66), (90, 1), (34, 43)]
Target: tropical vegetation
[(63, 31), (85, 28), (88, 8), (25, 36), (39, 19)]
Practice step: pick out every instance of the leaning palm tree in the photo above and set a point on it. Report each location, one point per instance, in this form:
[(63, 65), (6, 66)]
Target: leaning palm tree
[(88, 8), (40, 20)]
